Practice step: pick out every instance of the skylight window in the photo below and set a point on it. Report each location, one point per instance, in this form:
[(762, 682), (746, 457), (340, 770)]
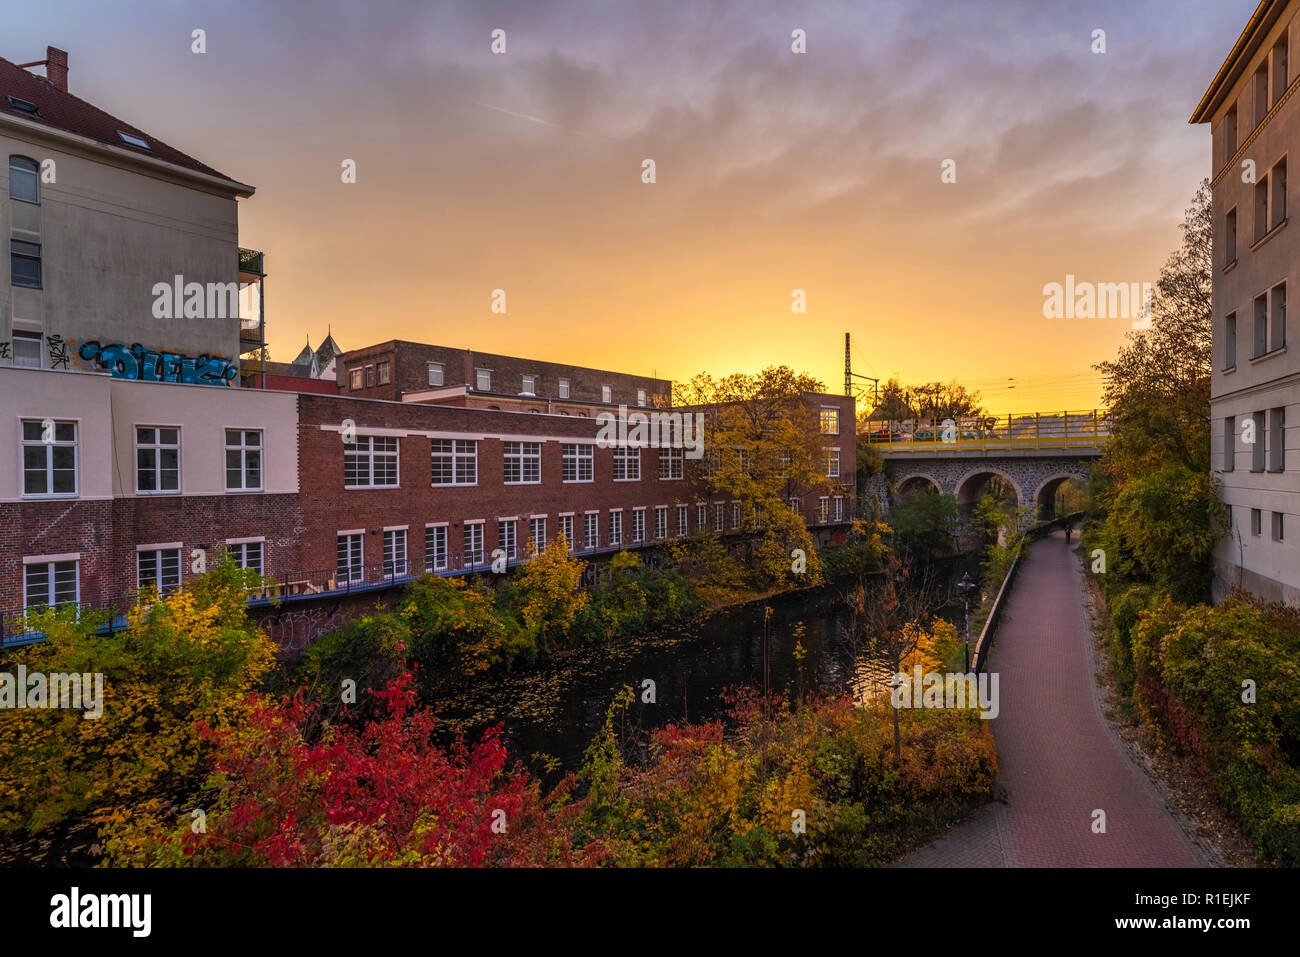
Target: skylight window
[(132, 140), (23, 106)]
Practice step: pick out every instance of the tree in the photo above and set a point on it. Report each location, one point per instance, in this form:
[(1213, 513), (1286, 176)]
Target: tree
[(925, 524), (550, 584), (931, 400)]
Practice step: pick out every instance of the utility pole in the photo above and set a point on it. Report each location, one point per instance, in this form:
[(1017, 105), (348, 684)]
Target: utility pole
[(848, 368)]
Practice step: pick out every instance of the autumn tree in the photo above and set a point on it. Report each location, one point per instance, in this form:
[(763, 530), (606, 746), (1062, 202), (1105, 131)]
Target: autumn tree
[(550, 584)]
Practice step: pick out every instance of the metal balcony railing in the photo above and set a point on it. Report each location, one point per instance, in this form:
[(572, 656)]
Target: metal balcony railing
[(1032, 430)]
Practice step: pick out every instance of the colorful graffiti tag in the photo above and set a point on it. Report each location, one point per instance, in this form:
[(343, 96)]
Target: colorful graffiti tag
[(146, 365)]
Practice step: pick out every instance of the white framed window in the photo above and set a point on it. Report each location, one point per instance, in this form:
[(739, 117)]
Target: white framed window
[(577, 463), (523, 463), (356, 380), (627, 464), (661, 521), (566, 529), (530, 384), (701, 516), (351, 556), (506, 538), (564, 388), (157, 460), (394, 552), (483, 380), (606, 394), (435, 548), (833, 463), (616, 526), (243, 460), (370, 462), (683, 513), (158, 568), (436, 376), (383, 371), (837, 508), (27, 350), (829, 420), (719, 515), (638, 525), (591, 522), (823, 509), (246, 554), (640, 397), (49, 451), (735, 515), (537, 534), (796, 506), (24, 179), (473, 554), (672, 463), (51, 583), (455, 462)]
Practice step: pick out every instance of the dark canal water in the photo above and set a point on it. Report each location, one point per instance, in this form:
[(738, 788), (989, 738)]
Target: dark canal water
[(556, 707)]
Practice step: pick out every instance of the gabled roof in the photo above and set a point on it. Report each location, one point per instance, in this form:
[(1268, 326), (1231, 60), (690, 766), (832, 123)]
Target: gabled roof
[(61, 110), (328, 349), (1261, 21)]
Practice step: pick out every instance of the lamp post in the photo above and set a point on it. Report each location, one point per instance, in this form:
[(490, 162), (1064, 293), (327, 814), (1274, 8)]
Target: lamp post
[(966, 585)]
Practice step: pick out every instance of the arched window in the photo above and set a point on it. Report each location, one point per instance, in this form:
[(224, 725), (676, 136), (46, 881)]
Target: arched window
[(24, 179)]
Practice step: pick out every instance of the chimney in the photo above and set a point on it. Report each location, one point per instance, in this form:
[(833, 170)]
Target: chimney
[(56, 68)]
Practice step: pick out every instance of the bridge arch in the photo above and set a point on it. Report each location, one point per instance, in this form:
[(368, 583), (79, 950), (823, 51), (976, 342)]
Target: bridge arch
[(1045, 497), (917, 481), (971, 485)]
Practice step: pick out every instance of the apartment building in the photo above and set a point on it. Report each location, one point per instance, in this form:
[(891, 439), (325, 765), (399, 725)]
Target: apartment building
[(1255, 388), (123, 251), (417, 372)]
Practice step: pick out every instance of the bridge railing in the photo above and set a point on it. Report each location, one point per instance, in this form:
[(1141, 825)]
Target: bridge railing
[(1025, 430)]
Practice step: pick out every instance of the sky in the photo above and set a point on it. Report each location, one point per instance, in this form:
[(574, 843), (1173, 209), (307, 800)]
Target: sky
[(774, 171)]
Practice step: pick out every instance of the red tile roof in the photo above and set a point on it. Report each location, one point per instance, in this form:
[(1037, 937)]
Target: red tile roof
[(64, 111)]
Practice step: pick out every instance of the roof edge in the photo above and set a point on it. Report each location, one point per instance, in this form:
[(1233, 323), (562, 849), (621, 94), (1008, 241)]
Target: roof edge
[(1265, 15)]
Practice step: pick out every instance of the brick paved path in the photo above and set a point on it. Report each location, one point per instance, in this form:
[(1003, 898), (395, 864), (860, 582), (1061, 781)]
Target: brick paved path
[(1059, 758)]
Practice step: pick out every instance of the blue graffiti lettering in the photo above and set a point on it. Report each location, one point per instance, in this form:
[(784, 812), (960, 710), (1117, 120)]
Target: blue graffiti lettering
[(146, 365)]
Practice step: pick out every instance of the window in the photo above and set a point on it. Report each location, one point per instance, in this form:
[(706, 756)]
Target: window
[(49, 584), (394, 553), (1279, 68), (351, 567), (483, 380), (837, 508), (564, 388), (719, 516), (27, 350), (243, 460), (796, 506), (24, 180), (370, 376), (1261, 326), (1261, 93), (701, 516), (25, 264), (577, 463), (592, 529), (1230, 342), (49, 457), (606, 394), (833, 463), (355, 380), (1231, 232), (506, 538), (370, 462), (1276, 440), (823, 509), (1230, 135), (566, 531), (455, 462), (530, 385), (830, 421), (159, 569), (435, 548), (1277, 526), (157, 460), (682, 518), (615, 526), (435, 373), (23, 106), (130, 139), (672, 463), (1261, 208), (1257, 457), (661, 521), (1277, 318), (735, 515), (1256, 522), (473, 544), (382, 371), (537, 534), (1277, 179), (627, 464), (1229, 443), (246, 555), (640, 397), (523, 463), (638, 525)]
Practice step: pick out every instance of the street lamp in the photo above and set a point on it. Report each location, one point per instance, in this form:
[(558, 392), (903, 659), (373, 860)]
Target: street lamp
[(966, 585)]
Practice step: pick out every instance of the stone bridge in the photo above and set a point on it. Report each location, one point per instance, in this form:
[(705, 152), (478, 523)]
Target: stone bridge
[(1035, 478)]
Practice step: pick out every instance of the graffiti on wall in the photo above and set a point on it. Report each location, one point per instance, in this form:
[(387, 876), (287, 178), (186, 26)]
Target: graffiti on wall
[(295, 630), (147, 365)]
